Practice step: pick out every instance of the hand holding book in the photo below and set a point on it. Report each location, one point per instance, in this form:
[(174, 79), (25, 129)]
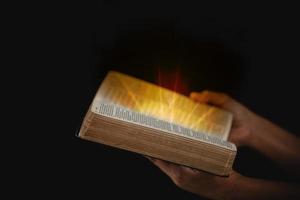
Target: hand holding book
[(243, 118), (250, 130), (138, 116)]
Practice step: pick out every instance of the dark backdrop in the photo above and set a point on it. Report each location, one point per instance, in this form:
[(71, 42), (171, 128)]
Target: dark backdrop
[(249, 51)]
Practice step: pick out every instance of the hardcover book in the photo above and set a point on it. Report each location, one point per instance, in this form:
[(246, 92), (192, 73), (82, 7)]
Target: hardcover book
[(138, 116)]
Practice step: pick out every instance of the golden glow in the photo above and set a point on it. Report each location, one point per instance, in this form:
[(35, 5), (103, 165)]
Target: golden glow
[(162, 103)]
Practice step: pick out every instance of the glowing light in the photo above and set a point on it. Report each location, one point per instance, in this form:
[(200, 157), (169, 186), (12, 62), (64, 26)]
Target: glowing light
[(161, 102)]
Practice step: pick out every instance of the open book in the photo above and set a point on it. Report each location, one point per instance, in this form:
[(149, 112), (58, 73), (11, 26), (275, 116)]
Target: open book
[(138, 116)]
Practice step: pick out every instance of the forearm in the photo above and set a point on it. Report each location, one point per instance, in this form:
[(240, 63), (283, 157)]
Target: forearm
[(276, 143), (249, 188)]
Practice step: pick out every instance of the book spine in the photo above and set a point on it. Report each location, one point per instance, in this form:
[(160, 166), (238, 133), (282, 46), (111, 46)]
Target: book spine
[(118, 112), (86, 123)]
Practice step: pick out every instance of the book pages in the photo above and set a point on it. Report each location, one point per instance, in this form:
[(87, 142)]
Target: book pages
[(121, 113), (151, 100)]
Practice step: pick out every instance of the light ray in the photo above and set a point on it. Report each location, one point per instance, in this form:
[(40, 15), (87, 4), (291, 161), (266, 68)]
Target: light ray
[(202, 117), (160, 96), (131, 94), (173, 95), (192, 112)]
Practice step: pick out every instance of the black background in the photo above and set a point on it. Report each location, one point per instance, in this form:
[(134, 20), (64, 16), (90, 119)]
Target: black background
[(249, 51)]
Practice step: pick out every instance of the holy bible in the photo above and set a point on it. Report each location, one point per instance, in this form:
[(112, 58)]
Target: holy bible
[(141, 117)]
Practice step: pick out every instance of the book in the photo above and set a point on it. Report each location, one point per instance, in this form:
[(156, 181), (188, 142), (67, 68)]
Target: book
[(138, 116)]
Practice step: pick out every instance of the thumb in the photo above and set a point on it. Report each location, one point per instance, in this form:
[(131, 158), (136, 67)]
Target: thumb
[(214, 98)]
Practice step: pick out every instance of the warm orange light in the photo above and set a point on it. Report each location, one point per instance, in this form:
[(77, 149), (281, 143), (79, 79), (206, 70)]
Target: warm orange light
[(161, 103)]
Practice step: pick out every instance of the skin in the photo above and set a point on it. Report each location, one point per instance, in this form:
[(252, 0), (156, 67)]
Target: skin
[(248, 129)]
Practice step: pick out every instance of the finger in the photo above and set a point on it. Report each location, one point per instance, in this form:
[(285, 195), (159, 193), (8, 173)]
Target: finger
[(190, 171), (214, 98), (168, 168), (149, 158), (238, 135), (198, 96)]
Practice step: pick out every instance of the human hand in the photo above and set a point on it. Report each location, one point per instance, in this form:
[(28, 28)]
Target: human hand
[(235, 186), (243, 119), (254, 131), (198, 182), (247, 129), (202, 183)]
